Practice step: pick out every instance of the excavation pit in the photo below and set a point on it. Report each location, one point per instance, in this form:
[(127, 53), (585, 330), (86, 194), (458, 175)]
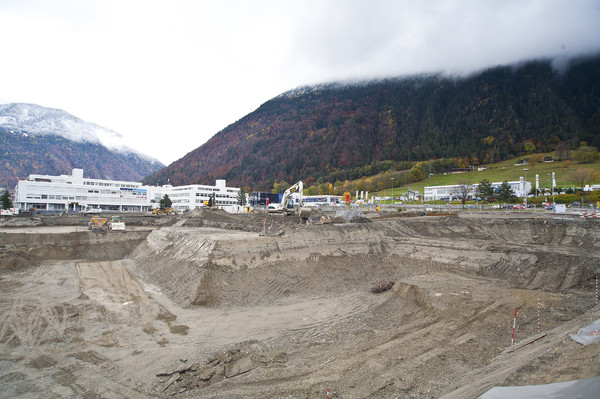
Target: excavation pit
[(209, 305)]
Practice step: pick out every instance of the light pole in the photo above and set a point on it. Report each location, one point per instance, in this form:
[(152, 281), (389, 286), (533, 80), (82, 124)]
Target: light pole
[(525, 185), (392, 191), (553, 184)]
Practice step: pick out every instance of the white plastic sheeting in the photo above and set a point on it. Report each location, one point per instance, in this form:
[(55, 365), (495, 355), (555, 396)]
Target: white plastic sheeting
[(588, 335), (588, 388)]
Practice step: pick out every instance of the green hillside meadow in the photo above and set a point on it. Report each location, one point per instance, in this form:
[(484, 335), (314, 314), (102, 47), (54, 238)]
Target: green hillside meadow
[(505, 170)]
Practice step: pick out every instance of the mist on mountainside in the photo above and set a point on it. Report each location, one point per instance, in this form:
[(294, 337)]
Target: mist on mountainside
[(321, 133)]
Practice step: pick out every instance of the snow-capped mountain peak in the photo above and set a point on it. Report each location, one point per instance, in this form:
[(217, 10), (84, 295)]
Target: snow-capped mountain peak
[(38, 120)]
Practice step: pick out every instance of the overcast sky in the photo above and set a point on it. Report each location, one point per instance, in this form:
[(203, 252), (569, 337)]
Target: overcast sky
[(168, 75)]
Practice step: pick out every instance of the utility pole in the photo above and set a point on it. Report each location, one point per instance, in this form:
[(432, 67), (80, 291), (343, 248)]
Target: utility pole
[(392, 191)]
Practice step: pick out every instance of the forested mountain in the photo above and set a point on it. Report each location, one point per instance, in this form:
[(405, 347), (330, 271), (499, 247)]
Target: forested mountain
[(316, 132), (39, 140)]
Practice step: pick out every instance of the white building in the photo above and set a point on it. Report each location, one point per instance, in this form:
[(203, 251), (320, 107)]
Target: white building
[(193, 196), (321, 200), (521, 189), (74, 193), (447, 193)]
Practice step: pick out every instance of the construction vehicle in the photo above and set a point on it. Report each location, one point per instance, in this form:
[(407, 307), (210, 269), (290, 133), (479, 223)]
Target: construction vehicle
[(164, 211), (101, 223), (115, 223), (212, 201), (98, 223), (286, 206)]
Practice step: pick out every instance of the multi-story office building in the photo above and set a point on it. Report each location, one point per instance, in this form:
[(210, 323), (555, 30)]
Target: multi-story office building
[(74, 193), (193, 196)]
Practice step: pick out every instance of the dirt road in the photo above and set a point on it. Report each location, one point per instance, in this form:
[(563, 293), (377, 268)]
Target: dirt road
[(245, 306)]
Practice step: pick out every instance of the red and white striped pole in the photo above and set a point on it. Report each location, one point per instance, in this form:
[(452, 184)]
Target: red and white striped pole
[(514, 325), (327, 393), (538, 313)]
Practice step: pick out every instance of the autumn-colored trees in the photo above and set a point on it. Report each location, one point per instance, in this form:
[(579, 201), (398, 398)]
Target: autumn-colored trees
[(336, 132)]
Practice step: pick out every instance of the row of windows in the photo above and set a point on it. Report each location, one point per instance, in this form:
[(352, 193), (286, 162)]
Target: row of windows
[(193, 188), (95, 183), (68, 195), (77, 198)]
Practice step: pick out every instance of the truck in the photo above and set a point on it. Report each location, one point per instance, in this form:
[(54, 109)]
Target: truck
[(101, 223)]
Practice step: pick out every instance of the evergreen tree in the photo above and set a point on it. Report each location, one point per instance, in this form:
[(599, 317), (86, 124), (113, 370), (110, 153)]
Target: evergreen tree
[(506, 193), (485, 191), (241, 197), (165, 202), (5, 200)]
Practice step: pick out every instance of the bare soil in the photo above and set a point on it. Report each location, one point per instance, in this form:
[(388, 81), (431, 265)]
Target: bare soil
[(367, 305)]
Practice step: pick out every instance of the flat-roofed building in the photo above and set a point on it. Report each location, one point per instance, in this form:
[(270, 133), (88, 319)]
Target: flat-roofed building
[(75, 193), (193, 196), (520, 187)]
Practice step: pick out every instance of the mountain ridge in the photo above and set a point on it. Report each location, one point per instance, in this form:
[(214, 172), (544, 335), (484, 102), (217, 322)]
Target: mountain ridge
[(39, 140), (314, 131)]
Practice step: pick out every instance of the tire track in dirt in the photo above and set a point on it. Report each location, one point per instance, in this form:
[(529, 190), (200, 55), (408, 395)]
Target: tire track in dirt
[(26, 318)]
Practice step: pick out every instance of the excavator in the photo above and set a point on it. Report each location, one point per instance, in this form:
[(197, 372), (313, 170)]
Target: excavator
[(212, 201), (286, 206)]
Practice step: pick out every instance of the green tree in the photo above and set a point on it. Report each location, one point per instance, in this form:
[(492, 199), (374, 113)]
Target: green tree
[(6, 201), (528, 146), (586, 154), (165, 202), (279, 188), (485, 191), (241, 197), (506, 193)]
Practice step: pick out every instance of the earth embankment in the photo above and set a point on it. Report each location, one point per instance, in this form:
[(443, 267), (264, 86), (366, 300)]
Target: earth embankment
[(192, 265)]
